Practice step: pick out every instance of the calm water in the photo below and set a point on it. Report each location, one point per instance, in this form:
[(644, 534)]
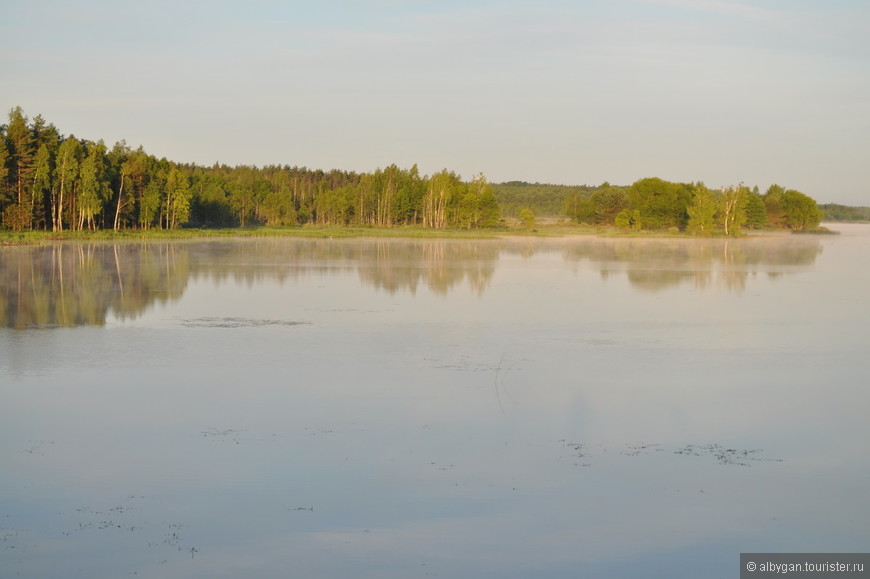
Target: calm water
[(399, 409)]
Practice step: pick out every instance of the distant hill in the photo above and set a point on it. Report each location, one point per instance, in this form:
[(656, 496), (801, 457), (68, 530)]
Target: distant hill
[(545, 199), (836, 212)]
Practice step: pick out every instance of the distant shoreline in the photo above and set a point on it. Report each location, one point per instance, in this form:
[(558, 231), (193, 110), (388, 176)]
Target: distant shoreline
[(12, 238)]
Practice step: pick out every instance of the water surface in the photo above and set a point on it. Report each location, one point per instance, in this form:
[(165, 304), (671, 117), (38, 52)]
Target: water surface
[(422, 408)]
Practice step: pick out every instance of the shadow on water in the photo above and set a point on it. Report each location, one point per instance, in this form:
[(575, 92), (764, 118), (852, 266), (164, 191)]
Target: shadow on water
[(74, 284)]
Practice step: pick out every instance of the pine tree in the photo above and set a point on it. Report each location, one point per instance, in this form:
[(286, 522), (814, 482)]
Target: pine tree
[(22, 151), (42, 184), (4, 170)]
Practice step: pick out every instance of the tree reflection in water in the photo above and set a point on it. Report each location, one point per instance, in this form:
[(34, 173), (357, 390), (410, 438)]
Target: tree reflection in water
[(72, 284)]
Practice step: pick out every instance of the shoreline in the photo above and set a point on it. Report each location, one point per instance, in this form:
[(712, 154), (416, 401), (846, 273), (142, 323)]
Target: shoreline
[(11, 238)]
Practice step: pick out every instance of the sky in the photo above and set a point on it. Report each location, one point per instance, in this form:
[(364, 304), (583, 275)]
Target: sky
[(551, 91)]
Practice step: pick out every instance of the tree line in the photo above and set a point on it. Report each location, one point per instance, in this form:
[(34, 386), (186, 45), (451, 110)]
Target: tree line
[(654, 203), (837, 212), (543, 199), (53, 182)]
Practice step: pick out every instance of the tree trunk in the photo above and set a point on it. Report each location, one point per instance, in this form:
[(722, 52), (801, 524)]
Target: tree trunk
[(118, 208), (58, 225)]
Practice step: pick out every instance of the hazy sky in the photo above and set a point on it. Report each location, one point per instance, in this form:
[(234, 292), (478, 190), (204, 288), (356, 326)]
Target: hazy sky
[(574, 92)]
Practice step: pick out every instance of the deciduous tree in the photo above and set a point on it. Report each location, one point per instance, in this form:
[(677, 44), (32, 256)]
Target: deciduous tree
[(527, 217), (95, 189), (701, 212), (732, 209), (800, 211), (66, 174), (177, 198)]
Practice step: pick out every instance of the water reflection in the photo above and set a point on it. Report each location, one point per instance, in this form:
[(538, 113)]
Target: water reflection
[(67, 285), (371, 414), (391, 265), (70, 284), (658, 264)]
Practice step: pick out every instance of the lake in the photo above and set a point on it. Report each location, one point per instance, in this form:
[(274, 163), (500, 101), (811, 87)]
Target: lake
[(521, 408)]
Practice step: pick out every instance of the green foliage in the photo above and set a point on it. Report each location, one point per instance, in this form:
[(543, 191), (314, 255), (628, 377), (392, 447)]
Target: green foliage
[(598, 206), (629, 219), (42, 183), (836, 212), (211, 204), (178, 196), (442, 197), (732, 209), (133, 171), (21, 152), (479, 207), (409, 197), (701, 212), (756, 211), (64, 183), (149, 205), (543, 199), (66, 168), (335, 207), (94, 186), (4, 170), (527, 217), (661, 204), (608, 201), (580, 208), (773, 204), (801, 211), (276, 209), (15, 217)]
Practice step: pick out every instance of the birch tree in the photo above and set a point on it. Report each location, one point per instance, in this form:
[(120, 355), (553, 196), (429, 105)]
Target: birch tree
[(732, 209), (178, 197), (94, 186), (66, 173), (701, 212)]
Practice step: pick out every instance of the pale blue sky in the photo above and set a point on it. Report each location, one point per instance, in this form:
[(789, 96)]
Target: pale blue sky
[(574, 92)]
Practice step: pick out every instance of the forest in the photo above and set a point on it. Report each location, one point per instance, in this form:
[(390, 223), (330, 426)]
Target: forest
[(56, 183), (52, 182), (837, 212), (655, 204)]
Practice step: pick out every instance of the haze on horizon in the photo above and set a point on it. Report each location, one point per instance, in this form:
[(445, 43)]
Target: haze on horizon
[(557, 91)]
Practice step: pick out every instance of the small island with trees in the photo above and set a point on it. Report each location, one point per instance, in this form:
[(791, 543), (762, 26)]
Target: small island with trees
[(71, 186)]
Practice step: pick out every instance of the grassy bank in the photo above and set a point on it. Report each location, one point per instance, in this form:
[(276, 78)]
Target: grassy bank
[(38, 237), (545, 230)]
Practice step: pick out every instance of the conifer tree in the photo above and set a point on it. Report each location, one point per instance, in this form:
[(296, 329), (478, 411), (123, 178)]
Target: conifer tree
[(21, 151)]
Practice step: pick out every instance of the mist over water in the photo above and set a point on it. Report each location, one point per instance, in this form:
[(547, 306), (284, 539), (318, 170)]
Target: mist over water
[(418, 408)]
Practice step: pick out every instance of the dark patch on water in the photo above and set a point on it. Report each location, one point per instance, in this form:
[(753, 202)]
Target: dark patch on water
[(639, 449), (218, 322), (298, 509), (37, 446), (124, 517), (227, 434), (721, 454)]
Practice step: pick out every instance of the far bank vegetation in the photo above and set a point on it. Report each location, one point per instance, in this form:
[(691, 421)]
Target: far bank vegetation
[(56, 183)]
